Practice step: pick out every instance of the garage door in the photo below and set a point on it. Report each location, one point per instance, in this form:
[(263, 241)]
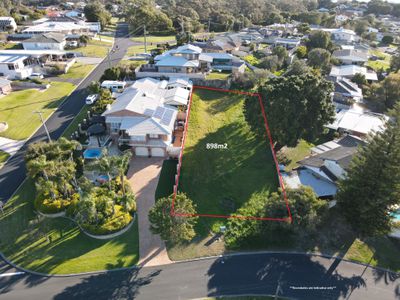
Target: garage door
[(141, 151), (158, 152)]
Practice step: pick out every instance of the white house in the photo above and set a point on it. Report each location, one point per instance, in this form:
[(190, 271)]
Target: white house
[(145, 117), (351, 56), (349, 71), (189, 61), (341, 34), (59, 27), (45, 41), (7, 24), (358, 123)]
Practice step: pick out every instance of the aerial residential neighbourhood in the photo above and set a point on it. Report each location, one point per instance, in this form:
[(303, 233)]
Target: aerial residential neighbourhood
[(156, 149)]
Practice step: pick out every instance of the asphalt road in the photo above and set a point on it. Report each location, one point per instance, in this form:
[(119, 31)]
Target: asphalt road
[(294, 276), (13, 172)]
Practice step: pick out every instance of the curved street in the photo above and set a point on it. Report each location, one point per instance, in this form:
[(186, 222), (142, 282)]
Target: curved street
[(13, 172), (293, 275)]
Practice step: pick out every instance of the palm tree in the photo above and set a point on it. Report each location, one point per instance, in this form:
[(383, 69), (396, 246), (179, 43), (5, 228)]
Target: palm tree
[(105, 165), (121, 163)]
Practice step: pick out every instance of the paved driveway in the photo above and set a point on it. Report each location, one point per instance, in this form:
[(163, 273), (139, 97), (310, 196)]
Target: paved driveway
[(143, 176)]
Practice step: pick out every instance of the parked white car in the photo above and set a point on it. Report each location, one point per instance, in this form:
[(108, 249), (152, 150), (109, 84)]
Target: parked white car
[(91, 99), (36, 76)]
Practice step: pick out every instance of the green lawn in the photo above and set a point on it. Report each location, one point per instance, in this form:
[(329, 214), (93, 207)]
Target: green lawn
[(218, 75), (78, 71), (23, 241), (134, 63), (134, 50), (292, 155), (220, 181), (383, 63), (155, 39), (17, 108), (78, 119), (95, 48)]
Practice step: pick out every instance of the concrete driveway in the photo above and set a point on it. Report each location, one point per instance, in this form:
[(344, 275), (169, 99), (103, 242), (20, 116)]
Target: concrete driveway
[(143, 177)]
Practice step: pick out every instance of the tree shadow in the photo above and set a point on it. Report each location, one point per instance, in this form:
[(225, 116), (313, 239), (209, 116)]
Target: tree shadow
[(110, 285), (297, 276)]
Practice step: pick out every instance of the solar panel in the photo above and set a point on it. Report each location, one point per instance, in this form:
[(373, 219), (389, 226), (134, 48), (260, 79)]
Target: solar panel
[(166, 119), (159, 112), (148, 112)]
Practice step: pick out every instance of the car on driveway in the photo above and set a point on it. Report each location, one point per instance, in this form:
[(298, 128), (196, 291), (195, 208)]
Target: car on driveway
[(36, 76), (91, 99)]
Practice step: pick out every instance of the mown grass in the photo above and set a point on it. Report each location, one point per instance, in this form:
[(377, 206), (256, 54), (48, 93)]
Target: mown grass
[(78, 71), (94, 48), (134, 50), (220, 181), (382, 63), (218, 75), (293, 154), (17, 108), (155, 39), (56, 246)]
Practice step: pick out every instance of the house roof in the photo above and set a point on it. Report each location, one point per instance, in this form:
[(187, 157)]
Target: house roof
[(50, 37), (176, 61), (351, 70), (358, 122), (55, 27), (340, 151), (345, 86), (351, 54)]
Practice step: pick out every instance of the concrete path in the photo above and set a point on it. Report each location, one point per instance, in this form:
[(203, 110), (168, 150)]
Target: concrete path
[(143, 176), (10, 146)]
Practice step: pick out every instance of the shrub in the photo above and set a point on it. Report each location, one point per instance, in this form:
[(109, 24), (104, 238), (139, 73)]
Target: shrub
[(115, 223)]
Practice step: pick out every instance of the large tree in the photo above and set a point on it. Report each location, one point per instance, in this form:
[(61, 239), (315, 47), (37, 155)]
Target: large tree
[(386, 94), (297, 107), (173, 228), (319, 39), (319, 58), (95, 12), (371, 186)]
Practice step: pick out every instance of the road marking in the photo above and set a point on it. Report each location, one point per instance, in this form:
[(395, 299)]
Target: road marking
[(11, 274)]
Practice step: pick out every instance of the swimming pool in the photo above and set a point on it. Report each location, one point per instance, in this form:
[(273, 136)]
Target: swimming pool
[(92, 153), (396, 215)]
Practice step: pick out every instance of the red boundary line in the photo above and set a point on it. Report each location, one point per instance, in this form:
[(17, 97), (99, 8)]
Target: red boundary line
[(271, 143)]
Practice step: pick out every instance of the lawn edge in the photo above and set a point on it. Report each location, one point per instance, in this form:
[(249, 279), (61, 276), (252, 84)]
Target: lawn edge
[(136, 267)]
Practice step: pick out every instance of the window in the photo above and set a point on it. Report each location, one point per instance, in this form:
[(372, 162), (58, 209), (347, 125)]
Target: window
[(153, 136), (11, 67), (138, 138), (115, 127)]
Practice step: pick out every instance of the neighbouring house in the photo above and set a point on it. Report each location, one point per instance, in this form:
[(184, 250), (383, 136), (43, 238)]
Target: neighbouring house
[(7, 24), (287, 42), (346, 91), (341, 35), (348, 71), (227, 62), (5, 86), (325, 166), (149, 117), (357, 123), (187, 61), (45, 41), (74, 13), (220, 44), (351, 56), (20, 64), (59, 27)]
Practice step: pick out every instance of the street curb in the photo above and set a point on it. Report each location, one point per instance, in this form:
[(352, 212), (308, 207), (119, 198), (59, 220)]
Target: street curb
[(227, 255), (193, 260)]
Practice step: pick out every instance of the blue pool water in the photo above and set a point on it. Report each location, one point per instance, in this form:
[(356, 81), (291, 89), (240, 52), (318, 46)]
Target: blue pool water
[(396, 216), (92, 153)]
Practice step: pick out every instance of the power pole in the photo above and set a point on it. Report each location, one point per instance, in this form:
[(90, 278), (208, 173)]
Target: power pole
[(145, 41), (209, 24), (108, 59), (182, 25), (40, 113)]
